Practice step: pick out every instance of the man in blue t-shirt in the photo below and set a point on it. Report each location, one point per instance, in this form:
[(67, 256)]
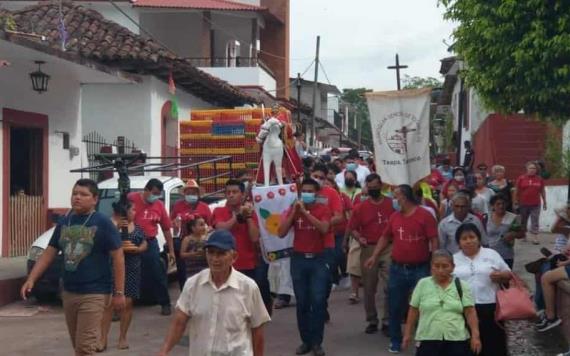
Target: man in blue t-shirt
[(89, 242)]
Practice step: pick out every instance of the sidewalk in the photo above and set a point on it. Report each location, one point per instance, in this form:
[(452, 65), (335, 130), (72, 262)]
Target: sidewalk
[(522, 338), (12, 275)]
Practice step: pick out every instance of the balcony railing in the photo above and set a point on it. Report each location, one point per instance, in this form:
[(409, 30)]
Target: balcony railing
[(224, 62)]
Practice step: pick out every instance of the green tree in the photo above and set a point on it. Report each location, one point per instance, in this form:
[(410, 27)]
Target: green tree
[(516, 53), (419, 82), (355, 97)]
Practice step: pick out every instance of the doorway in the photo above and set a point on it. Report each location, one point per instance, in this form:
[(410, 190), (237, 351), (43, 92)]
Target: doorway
[(24, 180)]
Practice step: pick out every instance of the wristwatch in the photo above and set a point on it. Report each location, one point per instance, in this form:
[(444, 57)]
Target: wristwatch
[(118, 293)]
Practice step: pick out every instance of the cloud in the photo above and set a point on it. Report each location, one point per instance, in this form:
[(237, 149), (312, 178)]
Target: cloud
[(360, 38)]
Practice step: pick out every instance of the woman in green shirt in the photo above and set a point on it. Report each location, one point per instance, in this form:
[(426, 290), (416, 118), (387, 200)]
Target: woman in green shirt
[(442, 304)]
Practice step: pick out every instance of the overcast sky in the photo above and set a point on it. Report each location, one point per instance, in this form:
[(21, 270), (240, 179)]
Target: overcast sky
[(359, 39)]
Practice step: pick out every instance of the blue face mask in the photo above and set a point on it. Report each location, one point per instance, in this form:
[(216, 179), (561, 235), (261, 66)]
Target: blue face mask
[(152, 198), (396, 205), (308, 198), (351, 166), (191, 198)]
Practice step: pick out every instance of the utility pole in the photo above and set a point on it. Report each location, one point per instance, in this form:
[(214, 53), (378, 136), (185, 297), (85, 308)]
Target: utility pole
[(315, 85), (299, 100)]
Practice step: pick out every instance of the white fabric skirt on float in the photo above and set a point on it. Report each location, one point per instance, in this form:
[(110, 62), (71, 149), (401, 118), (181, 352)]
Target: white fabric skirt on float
[(279, 276)]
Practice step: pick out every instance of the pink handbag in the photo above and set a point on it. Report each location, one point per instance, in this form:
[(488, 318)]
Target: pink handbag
[(514, 302)]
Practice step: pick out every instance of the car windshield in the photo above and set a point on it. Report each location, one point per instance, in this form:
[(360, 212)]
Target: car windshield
[(108, 196)]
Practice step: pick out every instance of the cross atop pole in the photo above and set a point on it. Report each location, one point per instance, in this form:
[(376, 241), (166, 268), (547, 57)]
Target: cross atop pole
[(397, 67)]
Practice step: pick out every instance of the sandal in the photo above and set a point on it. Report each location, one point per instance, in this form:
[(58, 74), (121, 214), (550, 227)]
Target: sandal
[(353, 299)]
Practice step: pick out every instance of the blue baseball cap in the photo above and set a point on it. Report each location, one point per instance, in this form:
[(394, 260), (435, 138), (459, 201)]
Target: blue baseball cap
[(222, 239)]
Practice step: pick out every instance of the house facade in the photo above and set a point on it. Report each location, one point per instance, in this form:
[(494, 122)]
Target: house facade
[(107, 80)]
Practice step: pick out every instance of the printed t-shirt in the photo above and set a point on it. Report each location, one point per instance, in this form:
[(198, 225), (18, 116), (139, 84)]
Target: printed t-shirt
[(410, 236), (529, 189), (247, 255), (86, 242), (307, 238), (371, 219), (149, 216), (329, 197), (187, 212)]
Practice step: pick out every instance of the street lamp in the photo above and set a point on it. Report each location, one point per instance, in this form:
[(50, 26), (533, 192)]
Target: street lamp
[(39, 79)]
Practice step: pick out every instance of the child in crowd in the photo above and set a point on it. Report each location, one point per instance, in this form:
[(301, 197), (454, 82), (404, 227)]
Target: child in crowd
[(192, 248)]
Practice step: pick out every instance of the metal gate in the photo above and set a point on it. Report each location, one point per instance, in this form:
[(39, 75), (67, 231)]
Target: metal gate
[(96, 143), (27, 222)]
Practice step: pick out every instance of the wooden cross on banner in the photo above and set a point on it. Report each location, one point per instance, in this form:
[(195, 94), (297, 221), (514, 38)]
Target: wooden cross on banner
[(397, 67)]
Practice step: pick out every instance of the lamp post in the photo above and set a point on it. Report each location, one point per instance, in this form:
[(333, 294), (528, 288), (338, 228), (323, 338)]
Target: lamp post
[(39, 79)]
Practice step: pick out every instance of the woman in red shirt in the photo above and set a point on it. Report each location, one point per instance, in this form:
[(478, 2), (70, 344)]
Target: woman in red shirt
[(529, 189)]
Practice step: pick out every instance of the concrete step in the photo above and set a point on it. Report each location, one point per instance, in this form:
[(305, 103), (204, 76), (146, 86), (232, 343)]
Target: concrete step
[(12, 276)]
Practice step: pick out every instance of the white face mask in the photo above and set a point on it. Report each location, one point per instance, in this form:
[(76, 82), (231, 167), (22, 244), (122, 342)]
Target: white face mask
[(459, 178)]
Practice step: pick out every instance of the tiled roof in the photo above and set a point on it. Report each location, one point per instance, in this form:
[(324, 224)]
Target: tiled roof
[(222, 5), (92, 37)]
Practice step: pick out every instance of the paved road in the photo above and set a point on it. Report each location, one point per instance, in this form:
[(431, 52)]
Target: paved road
[(45, 332)]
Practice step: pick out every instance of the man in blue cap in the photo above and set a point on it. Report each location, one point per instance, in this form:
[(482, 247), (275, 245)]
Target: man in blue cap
[(220, 304)]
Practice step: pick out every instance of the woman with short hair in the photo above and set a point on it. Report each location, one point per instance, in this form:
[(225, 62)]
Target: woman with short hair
[(503, 228), (501, 185), (483, 269), (442, 297)]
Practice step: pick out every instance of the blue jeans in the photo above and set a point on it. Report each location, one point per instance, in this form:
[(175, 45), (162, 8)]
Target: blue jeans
[(401, 283), (154, 273), (310, 282), (263, 284), (340, 256), (538, 296)]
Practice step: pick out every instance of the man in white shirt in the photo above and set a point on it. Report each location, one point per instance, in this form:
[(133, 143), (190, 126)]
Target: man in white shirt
[(222, 306), (461, 204), (352, 165)]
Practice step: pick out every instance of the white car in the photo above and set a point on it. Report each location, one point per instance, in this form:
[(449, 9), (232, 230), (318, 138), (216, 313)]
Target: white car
[(49, 284)]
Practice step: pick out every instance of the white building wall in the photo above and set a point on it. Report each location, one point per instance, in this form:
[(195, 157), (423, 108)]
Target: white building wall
[(64, 114), (118, 110), (133, 111), (244, 76)]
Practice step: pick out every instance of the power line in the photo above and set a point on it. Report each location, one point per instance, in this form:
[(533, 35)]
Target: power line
[(295, 81), (324, 72)]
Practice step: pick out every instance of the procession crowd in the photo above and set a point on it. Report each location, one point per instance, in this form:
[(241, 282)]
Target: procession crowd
[(432, 256)]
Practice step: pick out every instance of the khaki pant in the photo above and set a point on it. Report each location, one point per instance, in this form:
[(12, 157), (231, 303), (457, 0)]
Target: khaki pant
[(375, 282), (83, 314)]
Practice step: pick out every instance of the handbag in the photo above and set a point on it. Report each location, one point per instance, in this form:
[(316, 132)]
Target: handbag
[(514, 302)]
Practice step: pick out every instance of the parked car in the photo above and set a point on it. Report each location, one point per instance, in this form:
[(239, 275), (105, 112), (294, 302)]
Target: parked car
[(49, 285)]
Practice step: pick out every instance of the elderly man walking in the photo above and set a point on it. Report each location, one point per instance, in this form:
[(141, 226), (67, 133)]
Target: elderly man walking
[(222, 306), (461, 204)]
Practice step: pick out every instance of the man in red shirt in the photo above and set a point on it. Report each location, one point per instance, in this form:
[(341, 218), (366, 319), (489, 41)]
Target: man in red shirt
[(413, 233), (149, 213), (368, 219), (184, 210), (240, 219), (311, 223), (331, 198)]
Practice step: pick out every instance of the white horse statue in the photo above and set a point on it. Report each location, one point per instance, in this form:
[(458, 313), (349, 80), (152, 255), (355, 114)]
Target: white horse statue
[(272, 148)]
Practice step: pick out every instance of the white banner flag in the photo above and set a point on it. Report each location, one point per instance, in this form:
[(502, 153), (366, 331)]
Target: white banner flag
[(400, 130), (271, 206)]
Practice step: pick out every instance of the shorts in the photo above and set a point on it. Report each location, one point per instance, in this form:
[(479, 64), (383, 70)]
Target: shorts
[(353, 258)]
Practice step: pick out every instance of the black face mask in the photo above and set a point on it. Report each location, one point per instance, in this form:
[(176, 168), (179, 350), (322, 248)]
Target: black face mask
[(349, 183), (374, 193)]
